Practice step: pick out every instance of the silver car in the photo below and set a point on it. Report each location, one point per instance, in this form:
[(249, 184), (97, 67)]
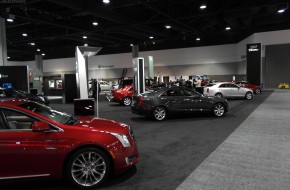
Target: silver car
[(228, 90)]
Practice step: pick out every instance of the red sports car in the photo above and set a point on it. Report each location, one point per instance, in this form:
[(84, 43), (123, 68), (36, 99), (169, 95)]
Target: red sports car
[(123, 95), (37, 141), (256, 88)]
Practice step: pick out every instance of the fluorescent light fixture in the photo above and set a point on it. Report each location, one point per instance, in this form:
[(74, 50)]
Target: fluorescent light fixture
[(95, 23), (85, 37), (43, 54), (203, 6), (228, 28), (197, 39), (151, 37), (168, 26), (33, 44), (38, 50), (106, 1), (9, 20), (24, 34)]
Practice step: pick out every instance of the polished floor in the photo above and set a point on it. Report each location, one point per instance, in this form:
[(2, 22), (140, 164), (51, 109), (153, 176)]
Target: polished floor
[(201, 151)]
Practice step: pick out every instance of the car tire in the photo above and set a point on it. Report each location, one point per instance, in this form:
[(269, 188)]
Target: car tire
[(127, 101), (88, 168), (218, 95), (258, 91), (249, 95), (219, 110), (160, 113)]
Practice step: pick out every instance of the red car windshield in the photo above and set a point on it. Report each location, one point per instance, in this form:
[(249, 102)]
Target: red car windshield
[(47, 112)]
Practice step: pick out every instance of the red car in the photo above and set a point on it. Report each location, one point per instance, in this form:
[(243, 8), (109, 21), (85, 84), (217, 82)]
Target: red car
[(39, 142), (123, 95), (256, 88)]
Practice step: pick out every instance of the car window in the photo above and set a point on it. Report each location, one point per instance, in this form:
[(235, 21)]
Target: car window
[(185, 92), (232, 86), (172, 92), (222, 86), (16, 120)]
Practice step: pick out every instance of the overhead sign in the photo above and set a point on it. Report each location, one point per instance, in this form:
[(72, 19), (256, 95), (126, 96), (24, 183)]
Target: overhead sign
[(253, 47)]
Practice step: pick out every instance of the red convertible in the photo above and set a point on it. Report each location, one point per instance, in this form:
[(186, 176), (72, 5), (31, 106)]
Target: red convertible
[(39, 142), (256, 88)]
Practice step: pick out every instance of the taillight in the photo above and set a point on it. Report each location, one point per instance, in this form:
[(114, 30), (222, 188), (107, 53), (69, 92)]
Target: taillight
[(140, 101)]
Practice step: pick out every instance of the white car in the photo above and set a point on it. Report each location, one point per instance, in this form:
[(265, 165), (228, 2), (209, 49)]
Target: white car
[(105, 86), (227, 90)]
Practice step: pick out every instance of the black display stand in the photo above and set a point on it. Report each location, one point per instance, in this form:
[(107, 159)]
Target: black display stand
[(84, 107)]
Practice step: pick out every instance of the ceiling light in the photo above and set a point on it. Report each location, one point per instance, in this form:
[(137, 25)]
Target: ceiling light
[(281, 10), (131, 45), (197, 39), (106, 1), (153, 42), (167, 26), (95, 23), (9, 20), (151, 37), (202, 6), (85, 44), (38, 50), (85, 37), (24, 34), (33, 44), (8, 57), (43, 54), (228, 28)]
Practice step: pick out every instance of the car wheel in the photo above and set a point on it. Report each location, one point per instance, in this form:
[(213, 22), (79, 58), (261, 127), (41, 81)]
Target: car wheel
[(219, 110), (249, 96), (218, 95), (127, 101), (159, 113), (88, 168), (258, 91)]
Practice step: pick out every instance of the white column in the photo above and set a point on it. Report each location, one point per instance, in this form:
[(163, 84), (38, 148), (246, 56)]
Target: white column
[(3, 45)]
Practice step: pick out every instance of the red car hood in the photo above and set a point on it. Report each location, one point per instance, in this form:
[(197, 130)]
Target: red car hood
[(100, 124)]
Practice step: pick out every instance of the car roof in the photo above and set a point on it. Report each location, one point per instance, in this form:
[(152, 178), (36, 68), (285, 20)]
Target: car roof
[(12, 101)]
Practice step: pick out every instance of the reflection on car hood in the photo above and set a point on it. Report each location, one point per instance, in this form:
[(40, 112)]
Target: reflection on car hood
[(100, 124)]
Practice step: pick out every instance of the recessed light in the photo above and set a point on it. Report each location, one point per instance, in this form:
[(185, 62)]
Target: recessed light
[(33, 44), (131, 45), (85, 37), (202, 6), (38, 50), (197, 39), (106, 1), (168, 26), (281, 10), (85, 44), (153, 42), (95, 23), (8, 57), (24, 34), (43, 54), (151, 37), (228, 28), (9, 20)]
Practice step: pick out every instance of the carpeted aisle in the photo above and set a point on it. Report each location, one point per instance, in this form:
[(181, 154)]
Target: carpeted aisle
[(255, 156)]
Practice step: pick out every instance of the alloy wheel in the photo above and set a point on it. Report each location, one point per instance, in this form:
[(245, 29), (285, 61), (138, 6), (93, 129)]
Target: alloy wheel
[(127, 101), (219, 110), (159, 113), (249, 95), (258, 91)]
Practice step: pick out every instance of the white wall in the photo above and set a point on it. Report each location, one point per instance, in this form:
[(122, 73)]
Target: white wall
[(202, 56)]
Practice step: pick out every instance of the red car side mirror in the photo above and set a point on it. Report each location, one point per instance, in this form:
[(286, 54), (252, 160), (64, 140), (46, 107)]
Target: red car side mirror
[(40, 126)]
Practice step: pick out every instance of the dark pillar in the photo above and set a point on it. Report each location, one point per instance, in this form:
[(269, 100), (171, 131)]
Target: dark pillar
[(254, 63)]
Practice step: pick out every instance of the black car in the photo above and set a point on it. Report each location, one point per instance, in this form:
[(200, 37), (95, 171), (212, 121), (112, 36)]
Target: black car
[(173, 100), (12, 93)]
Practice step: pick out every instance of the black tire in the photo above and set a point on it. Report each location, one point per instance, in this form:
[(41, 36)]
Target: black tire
[(249, 96), (219, 110), (127, 101), (88, 168), (160, 113), (218, 95), (258, 91)]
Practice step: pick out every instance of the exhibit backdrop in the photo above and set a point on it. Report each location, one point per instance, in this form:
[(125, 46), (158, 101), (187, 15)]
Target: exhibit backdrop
[(17, 76)]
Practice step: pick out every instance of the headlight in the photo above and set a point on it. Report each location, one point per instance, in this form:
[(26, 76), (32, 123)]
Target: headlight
[(122, 138)]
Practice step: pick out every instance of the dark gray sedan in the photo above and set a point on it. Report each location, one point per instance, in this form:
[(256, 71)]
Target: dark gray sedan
[(173, 100)]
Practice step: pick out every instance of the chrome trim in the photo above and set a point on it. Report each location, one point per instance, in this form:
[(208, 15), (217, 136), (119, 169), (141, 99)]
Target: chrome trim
[(25, 176)]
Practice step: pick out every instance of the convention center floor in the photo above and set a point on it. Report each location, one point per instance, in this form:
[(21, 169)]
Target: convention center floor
[(248, 148)]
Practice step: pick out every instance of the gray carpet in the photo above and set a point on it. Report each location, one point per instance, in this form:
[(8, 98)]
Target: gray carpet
[(255, 156)]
